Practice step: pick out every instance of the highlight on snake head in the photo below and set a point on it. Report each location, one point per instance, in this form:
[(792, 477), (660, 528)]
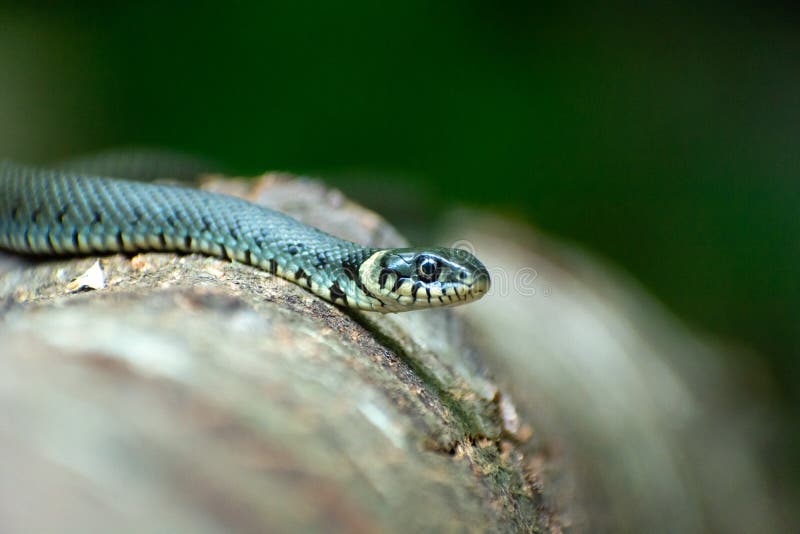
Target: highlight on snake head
[(406, 278)]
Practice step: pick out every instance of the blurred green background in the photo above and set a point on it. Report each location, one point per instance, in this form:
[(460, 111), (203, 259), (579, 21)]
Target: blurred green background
[(666, 139)]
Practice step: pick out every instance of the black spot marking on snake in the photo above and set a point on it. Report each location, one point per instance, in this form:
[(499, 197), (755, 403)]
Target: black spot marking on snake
[(398, 283), (320, 260), (52, 240), (337, 293), (350, 267), (294, 249), (273, 266), (98, 218), (384, 276), (15, 212), (206, 223), (248, 256), (417, 286), (62, 213), (300, 274)]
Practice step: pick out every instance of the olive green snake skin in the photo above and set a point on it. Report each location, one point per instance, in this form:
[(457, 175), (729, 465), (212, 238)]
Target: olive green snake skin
[(68, 213)]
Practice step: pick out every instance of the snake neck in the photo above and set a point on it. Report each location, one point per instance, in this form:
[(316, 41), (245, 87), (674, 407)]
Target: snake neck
[(335, 275)]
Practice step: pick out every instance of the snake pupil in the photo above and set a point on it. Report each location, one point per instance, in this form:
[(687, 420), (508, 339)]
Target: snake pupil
[(428, 268)]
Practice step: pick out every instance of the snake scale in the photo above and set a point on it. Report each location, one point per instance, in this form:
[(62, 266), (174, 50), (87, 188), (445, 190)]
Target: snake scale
[(55, 212)]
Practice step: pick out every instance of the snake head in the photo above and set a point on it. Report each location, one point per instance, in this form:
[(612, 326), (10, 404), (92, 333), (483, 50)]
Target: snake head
[(406, 278)]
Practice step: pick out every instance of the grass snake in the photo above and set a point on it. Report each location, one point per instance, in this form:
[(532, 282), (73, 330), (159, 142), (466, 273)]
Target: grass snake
[(66, 212)]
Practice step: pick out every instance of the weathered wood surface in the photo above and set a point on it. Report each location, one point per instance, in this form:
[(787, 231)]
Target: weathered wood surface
[(194, 394)]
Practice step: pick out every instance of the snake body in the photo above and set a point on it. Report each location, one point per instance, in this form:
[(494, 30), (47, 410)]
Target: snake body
[(61, 212)]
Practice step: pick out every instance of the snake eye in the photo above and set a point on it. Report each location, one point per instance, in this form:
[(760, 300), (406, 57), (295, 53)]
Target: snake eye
[(428, 268)]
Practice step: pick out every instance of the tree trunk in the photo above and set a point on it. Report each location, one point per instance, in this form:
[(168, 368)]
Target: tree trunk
[(195, 394)]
